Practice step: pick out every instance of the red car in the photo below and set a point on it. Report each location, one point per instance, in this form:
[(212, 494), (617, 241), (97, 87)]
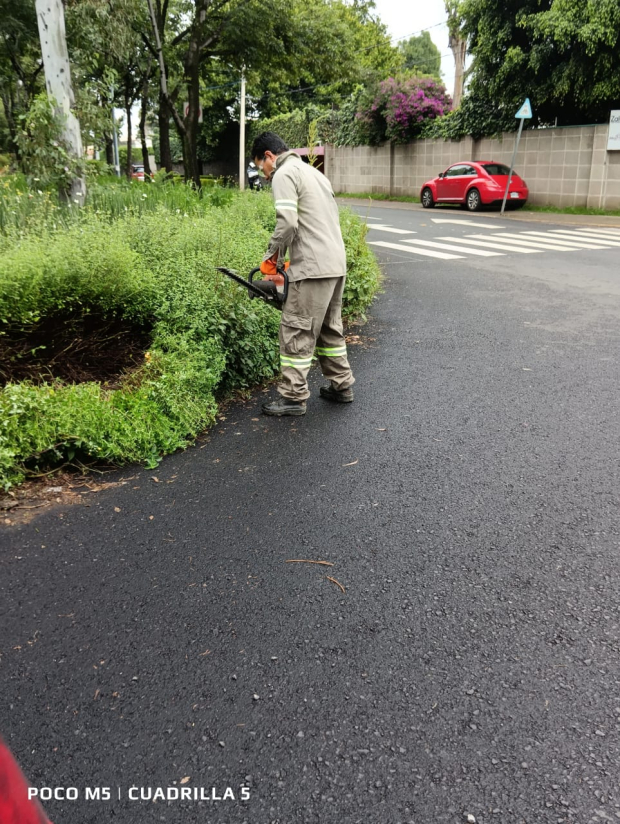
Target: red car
[(474, 184)]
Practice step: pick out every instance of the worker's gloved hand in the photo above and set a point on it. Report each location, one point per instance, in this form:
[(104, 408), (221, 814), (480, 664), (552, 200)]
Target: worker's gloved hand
[(269, 267)]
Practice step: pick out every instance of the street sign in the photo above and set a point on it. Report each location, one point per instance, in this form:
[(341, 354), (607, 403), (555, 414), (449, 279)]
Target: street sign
[(186, 112), (525, 111), (613, 136)]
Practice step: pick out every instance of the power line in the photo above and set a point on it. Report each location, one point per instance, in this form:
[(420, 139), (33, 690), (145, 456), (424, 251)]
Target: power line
[(419, 31)]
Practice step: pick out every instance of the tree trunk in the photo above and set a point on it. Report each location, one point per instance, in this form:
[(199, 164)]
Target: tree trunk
[(109, 149), (163, 119), (458, 47), (157, 22), (8, 103), (143, 109), (129, 139), (51, 23), (192, 74)]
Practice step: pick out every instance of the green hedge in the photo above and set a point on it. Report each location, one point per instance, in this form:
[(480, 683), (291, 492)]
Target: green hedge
[(155, 269), (294, 127)]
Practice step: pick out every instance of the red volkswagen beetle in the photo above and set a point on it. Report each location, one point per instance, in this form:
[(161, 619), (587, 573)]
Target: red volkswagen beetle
[(474, 184)]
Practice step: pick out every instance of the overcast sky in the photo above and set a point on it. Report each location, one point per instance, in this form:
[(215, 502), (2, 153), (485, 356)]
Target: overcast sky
[(404, 18)]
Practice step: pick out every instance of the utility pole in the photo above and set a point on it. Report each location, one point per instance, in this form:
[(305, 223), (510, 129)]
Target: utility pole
[(51, 20), (242, 133), (117, 162)]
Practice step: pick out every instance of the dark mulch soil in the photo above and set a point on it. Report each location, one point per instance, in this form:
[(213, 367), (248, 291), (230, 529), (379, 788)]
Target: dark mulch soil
[(74, 348)]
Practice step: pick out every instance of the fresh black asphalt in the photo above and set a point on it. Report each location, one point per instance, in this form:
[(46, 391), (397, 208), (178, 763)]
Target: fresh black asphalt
[(468, 500)]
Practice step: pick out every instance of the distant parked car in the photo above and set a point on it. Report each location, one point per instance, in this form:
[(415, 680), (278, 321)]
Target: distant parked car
[(137, 172), (473, 185)]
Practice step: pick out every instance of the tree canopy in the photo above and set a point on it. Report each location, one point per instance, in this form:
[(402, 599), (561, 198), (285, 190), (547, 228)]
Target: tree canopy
[(421, 55), (563, 54), (179, 57)]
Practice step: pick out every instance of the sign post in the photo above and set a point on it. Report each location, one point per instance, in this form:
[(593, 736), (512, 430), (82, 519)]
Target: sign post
[(524, 112)]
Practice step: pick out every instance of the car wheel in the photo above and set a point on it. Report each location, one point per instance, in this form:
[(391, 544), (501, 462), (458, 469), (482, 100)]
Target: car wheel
[(427, 199), (473, 201)]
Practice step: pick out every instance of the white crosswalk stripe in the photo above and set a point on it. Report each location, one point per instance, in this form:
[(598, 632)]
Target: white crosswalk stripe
[(568, 239), (426, 252), (522, 243), (488, 241), (453, 247), (608, 240), (380, 227), (606, 230), (546, 242), (613, 235), (496, 243)]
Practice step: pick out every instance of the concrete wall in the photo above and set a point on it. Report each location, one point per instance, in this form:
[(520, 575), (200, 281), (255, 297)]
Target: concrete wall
[(567, 166)]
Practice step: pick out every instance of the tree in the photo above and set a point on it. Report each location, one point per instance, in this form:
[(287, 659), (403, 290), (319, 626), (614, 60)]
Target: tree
[(21, 66), (586, 52), (563, 54), (457, 41), (422, 55), (110, 59), (288, 47)]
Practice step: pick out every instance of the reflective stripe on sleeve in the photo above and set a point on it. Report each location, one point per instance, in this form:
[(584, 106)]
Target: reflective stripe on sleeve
[(286, 205)]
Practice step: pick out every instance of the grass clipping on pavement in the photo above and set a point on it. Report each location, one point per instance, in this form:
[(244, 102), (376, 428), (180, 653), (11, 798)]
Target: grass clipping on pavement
[(153, 271)]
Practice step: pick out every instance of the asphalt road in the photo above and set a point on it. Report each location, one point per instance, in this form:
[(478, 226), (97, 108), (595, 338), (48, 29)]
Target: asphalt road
[(468, 500)]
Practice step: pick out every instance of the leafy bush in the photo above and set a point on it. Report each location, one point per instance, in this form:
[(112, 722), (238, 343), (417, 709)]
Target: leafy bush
[(475, 116), (402, 106), (46, 158), (293, 127), (155, 268)]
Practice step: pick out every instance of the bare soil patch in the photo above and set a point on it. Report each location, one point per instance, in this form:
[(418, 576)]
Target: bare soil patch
[(73, 348)]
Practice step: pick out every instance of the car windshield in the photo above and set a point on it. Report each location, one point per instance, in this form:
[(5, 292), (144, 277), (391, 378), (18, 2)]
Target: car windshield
[(496, 168)]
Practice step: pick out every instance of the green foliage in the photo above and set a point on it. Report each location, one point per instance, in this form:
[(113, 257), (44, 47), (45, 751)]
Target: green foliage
[(154, 267), (21, 77), (564, 55), (421, 55), (475, 116), (45, 157), (293, 127), (348, 129), (363, 275), (98, 168)]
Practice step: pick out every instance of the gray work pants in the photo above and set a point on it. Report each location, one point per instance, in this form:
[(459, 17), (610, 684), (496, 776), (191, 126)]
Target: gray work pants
[(312, 324)]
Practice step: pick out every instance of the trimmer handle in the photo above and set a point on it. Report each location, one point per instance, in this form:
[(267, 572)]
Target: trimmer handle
[(281, 271)]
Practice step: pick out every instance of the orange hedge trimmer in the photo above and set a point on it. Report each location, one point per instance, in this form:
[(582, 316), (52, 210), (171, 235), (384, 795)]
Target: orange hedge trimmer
[(272, 288)]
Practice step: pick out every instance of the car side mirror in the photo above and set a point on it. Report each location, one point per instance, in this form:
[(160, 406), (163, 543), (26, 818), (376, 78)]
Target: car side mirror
[(440, 174)]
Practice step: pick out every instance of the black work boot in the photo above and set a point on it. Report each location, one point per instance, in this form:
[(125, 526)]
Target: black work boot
[(338, 395), (284, 406)]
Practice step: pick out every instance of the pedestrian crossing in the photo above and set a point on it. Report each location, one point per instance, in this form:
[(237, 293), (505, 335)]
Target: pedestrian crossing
[(496, 243)]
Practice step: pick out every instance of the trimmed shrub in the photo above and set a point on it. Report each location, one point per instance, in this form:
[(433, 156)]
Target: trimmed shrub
[(155, 269)]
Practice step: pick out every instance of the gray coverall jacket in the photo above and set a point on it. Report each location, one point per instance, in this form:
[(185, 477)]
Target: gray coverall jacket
[(308, 225), (307, 221)]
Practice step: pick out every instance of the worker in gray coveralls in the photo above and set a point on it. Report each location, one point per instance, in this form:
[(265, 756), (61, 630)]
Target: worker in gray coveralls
[(308, 226)]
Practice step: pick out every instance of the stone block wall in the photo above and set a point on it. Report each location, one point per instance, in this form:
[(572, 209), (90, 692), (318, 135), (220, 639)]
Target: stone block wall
[(567, 166)]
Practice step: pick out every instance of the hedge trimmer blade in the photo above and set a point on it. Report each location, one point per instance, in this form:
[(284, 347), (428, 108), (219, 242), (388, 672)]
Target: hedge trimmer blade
[(250, 286), (264, 289)]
